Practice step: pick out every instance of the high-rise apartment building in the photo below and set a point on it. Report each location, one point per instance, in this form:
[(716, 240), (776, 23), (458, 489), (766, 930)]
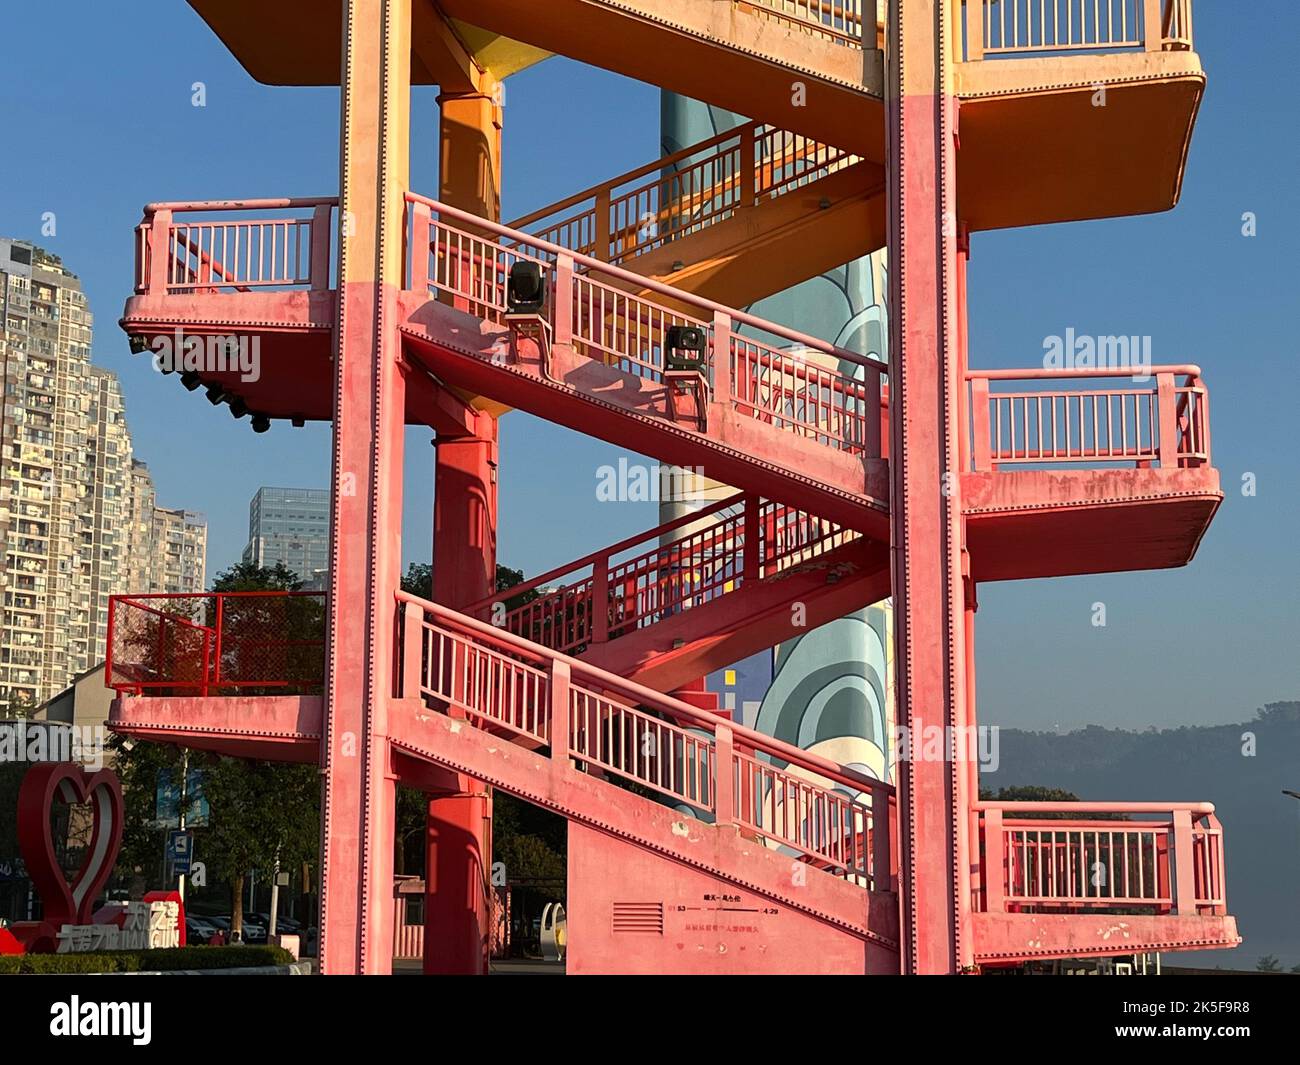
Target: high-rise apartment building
[(290, 525), (68, 530)]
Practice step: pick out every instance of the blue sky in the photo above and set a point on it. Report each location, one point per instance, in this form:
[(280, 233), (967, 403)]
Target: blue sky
[(101, 94)]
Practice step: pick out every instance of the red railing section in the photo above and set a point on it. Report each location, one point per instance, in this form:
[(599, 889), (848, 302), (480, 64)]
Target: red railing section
[(178, 255), (1153, 858), (219, 643), (1146, 416), (819, 811), (676, 566)]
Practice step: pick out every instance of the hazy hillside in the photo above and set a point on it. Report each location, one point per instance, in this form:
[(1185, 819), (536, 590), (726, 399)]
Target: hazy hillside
[(1261, 825)]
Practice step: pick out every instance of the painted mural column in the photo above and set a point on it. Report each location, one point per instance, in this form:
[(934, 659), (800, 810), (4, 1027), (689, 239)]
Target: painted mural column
[(458, 837), (927, 533), (357, 812)]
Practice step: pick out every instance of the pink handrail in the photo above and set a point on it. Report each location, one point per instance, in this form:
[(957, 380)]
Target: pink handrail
[(678, 296), (1046, 374), (639, 695)]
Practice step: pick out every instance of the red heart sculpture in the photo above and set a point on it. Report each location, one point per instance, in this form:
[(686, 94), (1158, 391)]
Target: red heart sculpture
[(69, 903)]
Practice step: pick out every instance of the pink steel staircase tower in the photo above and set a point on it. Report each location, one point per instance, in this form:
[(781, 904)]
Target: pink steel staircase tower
[(695, 844)]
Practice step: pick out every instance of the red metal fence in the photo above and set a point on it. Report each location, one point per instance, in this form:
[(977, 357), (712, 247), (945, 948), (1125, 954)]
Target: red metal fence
[(676, 566), (254, 643)]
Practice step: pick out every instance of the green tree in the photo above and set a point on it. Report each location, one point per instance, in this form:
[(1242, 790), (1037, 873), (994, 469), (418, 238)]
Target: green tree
[(16, 706), (1269, 963), (529, 858), (260, 813), (419, 583), (140, 766)]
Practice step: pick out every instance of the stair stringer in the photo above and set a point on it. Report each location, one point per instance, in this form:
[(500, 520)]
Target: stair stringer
[(721, 852)]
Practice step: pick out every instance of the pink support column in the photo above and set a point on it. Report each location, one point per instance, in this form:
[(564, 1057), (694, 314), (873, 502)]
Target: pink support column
[(927, 528), (458, 841), (359, 788)]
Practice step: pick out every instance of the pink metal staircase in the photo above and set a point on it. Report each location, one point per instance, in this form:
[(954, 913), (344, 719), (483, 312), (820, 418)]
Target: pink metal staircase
[(656, 774)]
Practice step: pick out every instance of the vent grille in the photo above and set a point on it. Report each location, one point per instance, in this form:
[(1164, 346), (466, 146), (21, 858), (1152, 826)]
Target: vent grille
[(646, 918)]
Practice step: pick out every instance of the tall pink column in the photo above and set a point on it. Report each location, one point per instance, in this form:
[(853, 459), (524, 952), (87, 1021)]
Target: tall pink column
[(927, 528), (458, 839), (359, 799), (458, 851)]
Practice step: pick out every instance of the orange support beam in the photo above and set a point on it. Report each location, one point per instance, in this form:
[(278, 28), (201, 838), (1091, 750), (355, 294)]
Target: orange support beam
[(458, 841)]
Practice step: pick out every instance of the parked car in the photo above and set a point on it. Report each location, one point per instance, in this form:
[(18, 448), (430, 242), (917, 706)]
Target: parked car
[(198, 930), (283, 925)]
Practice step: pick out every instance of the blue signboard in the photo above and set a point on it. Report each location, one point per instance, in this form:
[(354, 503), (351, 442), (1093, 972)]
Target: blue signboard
[(180, 851)]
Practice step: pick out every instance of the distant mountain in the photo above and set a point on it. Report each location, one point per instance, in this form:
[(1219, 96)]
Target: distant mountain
[(1242, 769)]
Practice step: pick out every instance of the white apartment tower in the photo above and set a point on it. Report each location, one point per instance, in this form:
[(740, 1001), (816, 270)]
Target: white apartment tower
[(67, 483)]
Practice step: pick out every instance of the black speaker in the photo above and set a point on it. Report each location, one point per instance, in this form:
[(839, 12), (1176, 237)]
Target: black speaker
[(685, 346), (525, 289)]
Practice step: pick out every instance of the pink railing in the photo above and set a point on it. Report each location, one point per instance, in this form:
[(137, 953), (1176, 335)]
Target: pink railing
[(646, 578), (836, 20), (1079, 856), (821, 811), (809, 388), (1154, 416), (995, 28), (184, 254), (683, 193), (216, 643)]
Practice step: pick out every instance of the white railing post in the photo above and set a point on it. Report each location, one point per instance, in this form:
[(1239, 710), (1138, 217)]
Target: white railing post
[(1167, 411), (160, 253), (562, 312), (420, 229), (412, 650), (974, 30), (320, 247), (724, 775), (722, 357), (995, 862), (1153, 25), (558, 727), (1184, 869), (979, 419)]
